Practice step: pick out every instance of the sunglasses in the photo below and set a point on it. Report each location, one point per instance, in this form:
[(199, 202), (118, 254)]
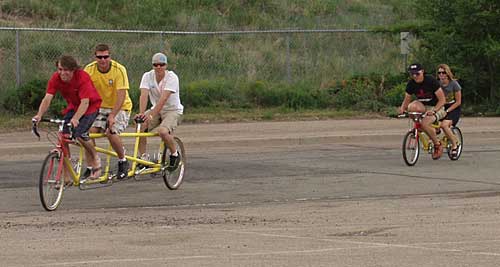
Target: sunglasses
[(102, 57), (415, 74), (441, 72), (159, 64)]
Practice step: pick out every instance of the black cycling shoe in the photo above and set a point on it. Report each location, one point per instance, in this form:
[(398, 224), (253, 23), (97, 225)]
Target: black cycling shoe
[(122, 170), (174, 162)]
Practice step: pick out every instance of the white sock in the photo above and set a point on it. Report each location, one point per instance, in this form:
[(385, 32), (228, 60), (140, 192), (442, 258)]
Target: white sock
[(176, 154), (122, 160)]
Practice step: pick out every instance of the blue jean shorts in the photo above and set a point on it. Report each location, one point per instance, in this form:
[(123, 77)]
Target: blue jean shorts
[(85, 122)]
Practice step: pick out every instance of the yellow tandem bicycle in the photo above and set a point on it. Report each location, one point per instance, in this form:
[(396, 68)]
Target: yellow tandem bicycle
[(416, 139), (51, 180)]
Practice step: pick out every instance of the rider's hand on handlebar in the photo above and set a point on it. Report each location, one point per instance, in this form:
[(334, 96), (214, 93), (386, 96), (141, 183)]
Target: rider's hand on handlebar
[(34, 129), (140, 116), (74, 122), (36, 119)]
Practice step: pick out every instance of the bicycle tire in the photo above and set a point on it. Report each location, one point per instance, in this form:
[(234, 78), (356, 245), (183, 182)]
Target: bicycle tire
[(458, 133), (173, 179), (50, 176), (411, 148)]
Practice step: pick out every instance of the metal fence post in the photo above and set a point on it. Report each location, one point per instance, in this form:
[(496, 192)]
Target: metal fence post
[(288, 65), (161, 42), (406, 39), (18, 61)]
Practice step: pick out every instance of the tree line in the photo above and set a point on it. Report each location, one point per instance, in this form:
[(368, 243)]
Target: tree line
[(465, 34)]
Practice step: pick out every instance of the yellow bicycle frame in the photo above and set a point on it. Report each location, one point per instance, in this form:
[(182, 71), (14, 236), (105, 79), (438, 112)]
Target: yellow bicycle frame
[(427, 145), (153, 167)]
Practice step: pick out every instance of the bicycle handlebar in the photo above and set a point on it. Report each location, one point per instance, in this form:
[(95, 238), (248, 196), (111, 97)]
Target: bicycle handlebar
[(417, 114), (34, 128)]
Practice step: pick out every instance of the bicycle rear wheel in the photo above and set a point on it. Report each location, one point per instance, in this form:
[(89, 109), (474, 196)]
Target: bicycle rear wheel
[(458, 133), (411, 148), (173, 179), (51, 182)]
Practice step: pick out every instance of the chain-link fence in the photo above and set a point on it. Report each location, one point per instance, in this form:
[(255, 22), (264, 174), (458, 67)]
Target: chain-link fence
[(314, 56)]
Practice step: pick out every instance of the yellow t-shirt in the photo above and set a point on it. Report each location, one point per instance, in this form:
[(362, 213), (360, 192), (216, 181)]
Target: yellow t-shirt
[(108, 83)]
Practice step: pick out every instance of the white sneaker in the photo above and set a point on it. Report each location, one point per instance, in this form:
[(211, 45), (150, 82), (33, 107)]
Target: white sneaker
[(144, 156)]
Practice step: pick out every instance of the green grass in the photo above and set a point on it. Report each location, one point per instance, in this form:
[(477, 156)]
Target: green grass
[(193, 15)]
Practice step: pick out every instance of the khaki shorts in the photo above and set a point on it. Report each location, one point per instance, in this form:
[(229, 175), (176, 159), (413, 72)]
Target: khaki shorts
[(121, 120), (440, 114), (167, 119)]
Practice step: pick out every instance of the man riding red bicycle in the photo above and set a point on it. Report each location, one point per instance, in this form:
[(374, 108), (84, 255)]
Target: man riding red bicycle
[(430, 99), (82, 98)]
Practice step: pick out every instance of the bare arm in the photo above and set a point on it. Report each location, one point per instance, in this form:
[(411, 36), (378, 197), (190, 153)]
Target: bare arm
[(441, 99), (120, 98), (406, 102), (44, 105), (82, 108), (458, 101), (163, 98)]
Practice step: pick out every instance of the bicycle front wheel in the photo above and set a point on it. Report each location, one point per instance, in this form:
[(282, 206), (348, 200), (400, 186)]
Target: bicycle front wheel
[(174, 178), (458, 133), (51, 182), (411, 148)]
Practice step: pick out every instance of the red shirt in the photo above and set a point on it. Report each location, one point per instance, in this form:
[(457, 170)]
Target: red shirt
[(74, 91)]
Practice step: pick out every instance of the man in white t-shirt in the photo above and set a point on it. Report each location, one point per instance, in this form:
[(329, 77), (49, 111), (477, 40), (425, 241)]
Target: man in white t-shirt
[(161, 86)]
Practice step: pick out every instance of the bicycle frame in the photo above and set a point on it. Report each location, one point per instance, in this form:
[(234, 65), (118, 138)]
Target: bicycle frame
[(421, 135), (416, 138), (153, 167)]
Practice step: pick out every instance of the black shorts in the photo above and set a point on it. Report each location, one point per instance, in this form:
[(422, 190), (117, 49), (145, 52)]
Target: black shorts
[(453, 115), (85, 122)]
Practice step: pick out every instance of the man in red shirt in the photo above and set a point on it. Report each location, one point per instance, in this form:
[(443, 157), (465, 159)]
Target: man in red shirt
[(83, 101)]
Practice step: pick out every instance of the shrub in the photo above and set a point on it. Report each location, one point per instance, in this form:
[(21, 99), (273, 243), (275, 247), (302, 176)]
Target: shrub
[(303, 96), (369, 92), (354, 94), (294, 96), (215, 93), (395, 95), (27, 98)]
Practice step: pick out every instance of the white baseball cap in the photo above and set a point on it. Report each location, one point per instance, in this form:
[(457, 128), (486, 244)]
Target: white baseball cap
[(159, 58)]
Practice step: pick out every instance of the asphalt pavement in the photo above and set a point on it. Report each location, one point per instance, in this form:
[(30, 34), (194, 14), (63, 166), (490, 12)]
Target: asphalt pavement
[(302, 193), (19, 145)]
